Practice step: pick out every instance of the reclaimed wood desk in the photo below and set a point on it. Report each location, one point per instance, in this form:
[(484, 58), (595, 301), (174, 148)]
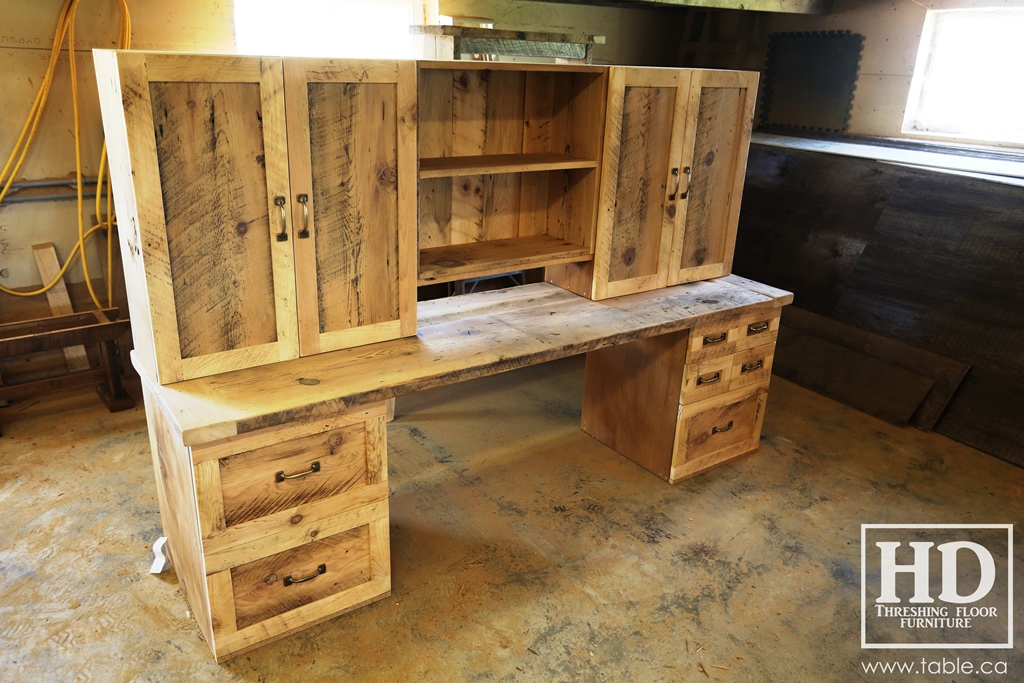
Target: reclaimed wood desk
[(272, 481)]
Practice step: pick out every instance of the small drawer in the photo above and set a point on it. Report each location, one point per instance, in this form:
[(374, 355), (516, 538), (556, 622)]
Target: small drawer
[(729, 336), (752, 366), (707, 379), (713, 431), (339, 465), (284, 581)]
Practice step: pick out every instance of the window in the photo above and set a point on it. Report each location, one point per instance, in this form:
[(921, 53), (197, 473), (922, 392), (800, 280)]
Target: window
[(370, 29), (967, 81)]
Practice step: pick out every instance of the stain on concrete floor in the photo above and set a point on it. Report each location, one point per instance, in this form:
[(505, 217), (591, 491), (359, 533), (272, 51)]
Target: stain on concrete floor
[(522, 549)]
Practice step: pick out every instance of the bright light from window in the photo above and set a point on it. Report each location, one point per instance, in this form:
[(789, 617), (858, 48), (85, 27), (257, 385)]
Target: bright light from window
[(326, 28), (968, 79)]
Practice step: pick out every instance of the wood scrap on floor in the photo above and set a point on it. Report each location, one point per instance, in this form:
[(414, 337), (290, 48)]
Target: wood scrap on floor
[(60, 303), (893, 381)]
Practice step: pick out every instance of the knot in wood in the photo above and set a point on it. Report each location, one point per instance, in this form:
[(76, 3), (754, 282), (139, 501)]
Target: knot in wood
[(270, 579)]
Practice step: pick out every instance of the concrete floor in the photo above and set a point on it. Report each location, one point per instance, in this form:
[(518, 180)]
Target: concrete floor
[(523, 550)]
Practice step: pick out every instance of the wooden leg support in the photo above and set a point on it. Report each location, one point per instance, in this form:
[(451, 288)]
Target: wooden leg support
[(112, 392)]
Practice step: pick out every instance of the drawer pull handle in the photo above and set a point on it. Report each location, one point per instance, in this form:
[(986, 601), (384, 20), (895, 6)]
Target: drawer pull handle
[(709, 380), (671, 197), (281, 476), (754, 328), (716, 340), (304, 200), (719, 430), (279, 202), (322, 569), (752, 366)]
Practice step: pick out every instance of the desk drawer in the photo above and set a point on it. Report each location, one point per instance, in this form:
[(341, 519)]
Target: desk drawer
[(718, 429), (279, 584), (717, 376), (319, 468), (296, 577), (725, 338)]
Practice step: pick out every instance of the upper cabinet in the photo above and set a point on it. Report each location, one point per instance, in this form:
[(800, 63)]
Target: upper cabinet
[(508, 166), (248, 235), (642, 198), (352, 154), (720, 117), (672, 174), (271, 208)]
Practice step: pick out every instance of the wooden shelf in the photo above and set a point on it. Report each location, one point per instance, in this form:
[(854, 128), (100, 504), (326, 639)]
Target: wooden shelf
[(447, 167), (475, 259)]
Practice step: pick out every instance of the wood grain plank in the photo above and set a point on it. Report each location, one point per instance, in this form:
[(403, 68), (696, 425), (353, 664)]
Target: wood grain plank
[(258, 538), (435, 133), (538, 104), (637, 240), (444, 167), (504, 135), (408, 247), (712, 190), (222, 603), (179, 514), (353, 129), (210, 131), (209, 497), (469, 135), (135, 174), (444, 264), (57, 296), (631, 397), (377, 449)]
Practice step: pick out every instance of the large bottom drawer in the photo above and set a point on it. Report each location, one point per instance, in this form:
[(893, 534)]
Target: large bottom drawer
[(716, 430), (266, 597)]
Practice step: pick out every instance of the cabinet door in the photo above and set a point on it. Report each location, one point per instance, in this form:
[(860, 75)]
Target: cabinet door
[(207, 139), (641, 174), (719, 120), (352, 147)]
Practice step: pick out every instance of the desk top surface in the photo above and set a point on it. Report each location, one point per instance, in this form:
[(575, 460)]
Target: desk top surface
[(458, 338)]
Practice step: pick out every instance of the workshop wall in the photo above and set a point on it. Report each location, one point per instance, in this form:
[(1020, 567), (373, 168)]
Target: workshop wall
[(25, 43), (892, 33)]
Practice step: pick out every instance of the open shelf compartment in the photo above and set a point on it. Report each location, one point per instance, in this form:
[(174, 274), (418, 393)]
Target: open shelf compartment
[(508, 167)]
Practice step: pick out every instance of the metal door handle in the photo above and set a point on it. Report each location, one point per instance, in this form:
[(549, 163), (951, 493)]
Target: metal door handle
[(322, 569), (753, 366), (710, 380), (304, 200), (279, 202), (281, 476), (719, 430)]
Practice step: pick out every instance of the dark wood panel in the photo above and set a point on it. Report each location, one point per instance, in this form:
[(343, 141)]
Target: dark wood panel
[(946, 372), (805, 220), (851, 377), (929, 259), (943, 272)]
